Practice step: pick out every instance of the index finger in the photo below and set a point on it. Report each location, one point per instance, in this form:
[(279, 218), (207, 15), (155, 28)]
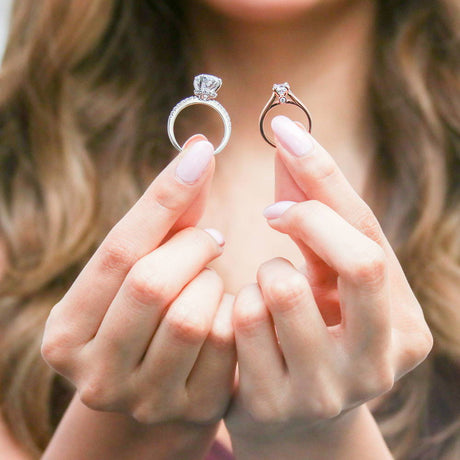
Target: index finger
[(319, 177), (138, 233)]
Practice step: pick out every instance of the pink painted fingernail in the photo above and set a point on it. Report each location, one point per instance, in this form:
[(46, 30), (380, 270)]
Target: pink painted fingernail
[(195, 138), (276, 210), (216, 235), (195, 161), (292, 137)]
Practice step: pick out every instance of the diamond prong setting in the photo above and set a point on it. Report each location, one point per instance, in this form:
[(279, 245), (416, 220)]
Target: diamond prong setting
[(206, 86), (282, 90)]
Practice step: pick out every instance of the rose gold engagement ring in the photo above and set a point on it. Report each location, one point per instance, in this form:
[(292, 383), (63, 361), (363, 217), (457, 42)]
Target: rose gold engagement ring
[(282, 94)]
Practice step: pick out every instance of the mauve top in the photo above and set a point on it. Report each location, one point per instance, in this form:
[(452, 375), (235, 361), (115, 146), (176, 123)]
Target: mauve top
[(219, 452)]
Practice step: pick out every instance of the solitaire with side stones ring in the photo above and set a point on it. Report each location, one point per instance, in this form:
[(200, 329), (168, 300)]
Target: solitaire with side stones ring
[(282, 94), (206, 87)]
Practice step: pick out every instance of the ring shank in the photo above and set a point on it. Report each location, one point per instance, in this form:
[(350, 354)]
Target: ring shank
[(271, 104), (193, 100)]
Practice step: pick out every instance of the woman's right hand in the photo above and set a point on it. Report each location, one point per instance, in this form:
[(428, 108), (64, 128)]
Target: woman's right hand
[(145, 329)]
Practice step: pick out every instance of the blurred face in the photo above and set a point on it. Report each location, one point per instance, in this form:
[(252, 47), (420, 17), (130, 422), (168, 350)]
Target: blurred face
[(265, 10)]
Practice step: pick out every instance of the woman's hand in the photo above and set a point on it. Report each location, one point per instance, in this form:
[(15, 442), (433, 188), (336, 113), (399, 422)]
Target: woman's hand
[(146, 330), (315, 343)]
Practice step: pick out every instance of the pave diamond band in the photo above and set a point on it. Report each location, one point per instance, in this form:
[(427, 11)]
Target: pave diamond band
[(282, 94), (206, 87)]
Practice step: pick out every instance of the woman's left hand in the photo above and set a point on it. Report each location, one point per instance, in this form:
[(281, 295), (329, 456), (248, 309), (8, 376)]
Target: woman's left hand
[(317, 342)]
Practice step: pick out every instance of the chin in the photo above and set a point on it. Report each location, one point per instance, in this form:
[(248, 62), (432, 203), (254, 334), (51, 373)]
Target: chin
[(263, 10)]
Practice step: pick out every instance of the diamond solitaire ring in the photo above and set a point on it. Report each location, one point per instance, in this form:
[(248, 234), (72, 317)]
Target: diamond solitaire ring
[(206, 87), (282, 94)]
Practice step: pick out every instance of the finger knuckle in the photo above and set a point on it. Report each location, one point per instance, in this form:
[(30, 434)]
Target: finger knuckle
[(322, 167), (417, 348), (117, 254), (170, 198), (425, 344), (265, 273), (213, 280), (99, 394), (368, 224), (146, 415), (379, 382), (156, 409), (262, 272), (206, 411), (248, 318), (187, 329), (267, 410), (145, 286), (221, 337), (386, 380), (422, 341), (56, 350), (282, 294), (369, 267), (325, 405)]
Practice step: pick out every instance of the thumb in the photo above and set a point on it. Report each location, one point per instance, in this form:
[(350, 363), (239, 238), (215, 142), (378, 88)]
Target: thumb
[(286, 189), (194, 212)]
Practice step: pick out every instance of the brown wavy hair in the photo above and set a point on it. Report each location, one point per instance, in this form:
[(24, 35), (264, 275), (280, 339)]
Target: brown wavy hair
[(82, 134)]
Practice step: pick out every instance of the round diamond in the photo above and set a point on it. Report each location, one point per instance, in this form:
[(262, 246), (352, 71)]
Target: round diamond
[(206, 86), (281, 88)]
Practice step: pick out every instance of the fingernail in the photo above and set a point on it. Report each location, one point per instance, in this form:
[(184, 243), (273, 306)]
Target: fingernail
[(216, 235), (293, 138), (194, 162), (276, 210), (195, 138)]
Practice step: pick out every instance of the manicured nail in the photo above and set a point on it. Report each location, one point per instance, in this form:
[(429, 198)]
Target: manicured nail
[(276, 210), (293, 138), (194, 162), (216, 235), (195, 138)]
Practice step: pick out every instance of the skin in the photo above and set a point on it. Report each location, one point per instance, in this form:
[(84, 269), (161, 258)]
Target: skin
[(310, 379), (150, 334)]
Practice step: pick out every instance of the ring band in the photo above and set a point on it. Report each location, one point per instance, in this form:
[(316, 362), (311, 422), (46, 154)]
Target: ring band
[(206, 87), (282, 94)]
